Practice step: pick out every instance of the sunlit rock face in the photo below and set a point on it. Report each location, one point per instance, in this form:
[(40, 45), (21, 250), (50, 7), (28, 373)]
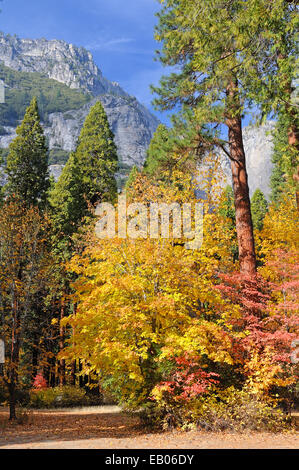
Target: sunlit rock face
[(258, 146), (133, 125)]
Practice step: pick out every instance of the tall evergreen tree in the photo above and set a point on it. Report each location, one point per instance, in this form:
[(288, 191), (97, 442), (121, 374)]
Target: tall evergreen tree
[(27, 161), (177, 147), (259, 208), (201, 38), (273, 31), (227, 210), (87, 178), (281, 159), (159, 151), (89, 175)]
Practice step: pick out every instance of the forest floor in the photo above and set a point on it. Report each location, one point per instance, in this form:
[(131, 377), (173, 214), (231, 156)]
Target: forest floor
[(107, 428)]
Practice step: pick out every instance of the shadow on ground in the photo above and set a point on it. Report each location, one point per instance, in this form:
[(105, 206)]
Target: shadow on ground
[(69, 425)]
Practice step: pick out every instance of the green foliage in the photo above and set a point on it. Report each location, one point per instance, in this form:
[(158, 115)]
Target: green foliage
[(197, 37), (227, 208), (97, 157), (132, 177), (176, 148), (158, 154), (212, 43), (89, 175), (273, 66), (27, 161), (284, 159), (60, 397), (259, 209), (4, 154), (51, 95), (58, 157), (227, 211)]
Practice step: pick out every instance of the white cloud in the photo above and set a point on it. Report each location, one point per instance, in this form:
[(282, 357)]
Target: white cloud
[(108, 44)]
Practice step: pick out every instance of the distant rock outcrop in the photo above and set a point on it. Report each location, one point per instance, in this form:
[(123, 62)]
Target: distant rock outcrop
[(258, 145), (133, 125)]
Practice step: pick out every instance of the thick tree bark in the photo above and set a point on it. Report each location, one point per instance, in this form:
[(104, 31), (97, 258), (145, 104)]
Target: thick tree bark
[(244, 226)]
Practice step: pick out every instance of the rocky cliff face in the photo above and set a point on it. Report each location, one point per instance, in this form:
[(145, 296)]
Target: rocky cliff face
[(66, 63), (132, 124), (258, 145)]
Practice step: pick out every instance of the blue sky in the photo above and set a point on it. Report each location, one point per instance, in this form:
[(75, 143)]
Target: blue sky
[(119, 33)]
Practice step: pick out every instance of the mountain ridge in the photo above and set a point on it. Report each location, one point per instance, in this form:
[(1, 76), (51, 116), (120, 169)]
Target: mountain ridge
[(132, 124)]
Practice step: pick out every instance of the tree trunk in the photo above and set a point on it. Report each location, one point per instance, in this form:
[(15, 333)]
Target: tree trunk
[(244, 226), (12, 399), (61, 347), (81, 379), (74, 362), (34, 357), (15, 347), (73, 372)]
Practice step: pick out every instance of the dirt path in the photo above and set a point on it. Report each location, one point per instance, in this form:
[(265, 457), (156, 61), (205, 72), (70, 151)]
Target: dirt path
[(107, 428)]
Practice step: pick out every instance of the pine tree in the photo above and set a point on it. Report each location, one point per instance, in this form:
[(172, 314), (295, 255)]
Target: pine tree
[(202, 39), (271, 83), (178, 147), (158, 154), (279, 158), (89, 175), (97, 157), (27, 161), (259, 208), (227, 208), (135, 171), (87, 178)]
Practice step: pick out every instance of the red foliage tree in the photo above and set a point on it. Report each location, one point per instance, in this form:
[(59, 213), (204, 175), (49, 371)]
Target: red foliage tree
[(268, 307), (188, 380), (40, 382)]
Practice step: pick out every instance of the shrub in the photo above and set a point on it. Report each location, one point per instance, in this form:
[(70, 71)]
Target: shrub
[(39, 382), (60, 397), (231, 409)]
